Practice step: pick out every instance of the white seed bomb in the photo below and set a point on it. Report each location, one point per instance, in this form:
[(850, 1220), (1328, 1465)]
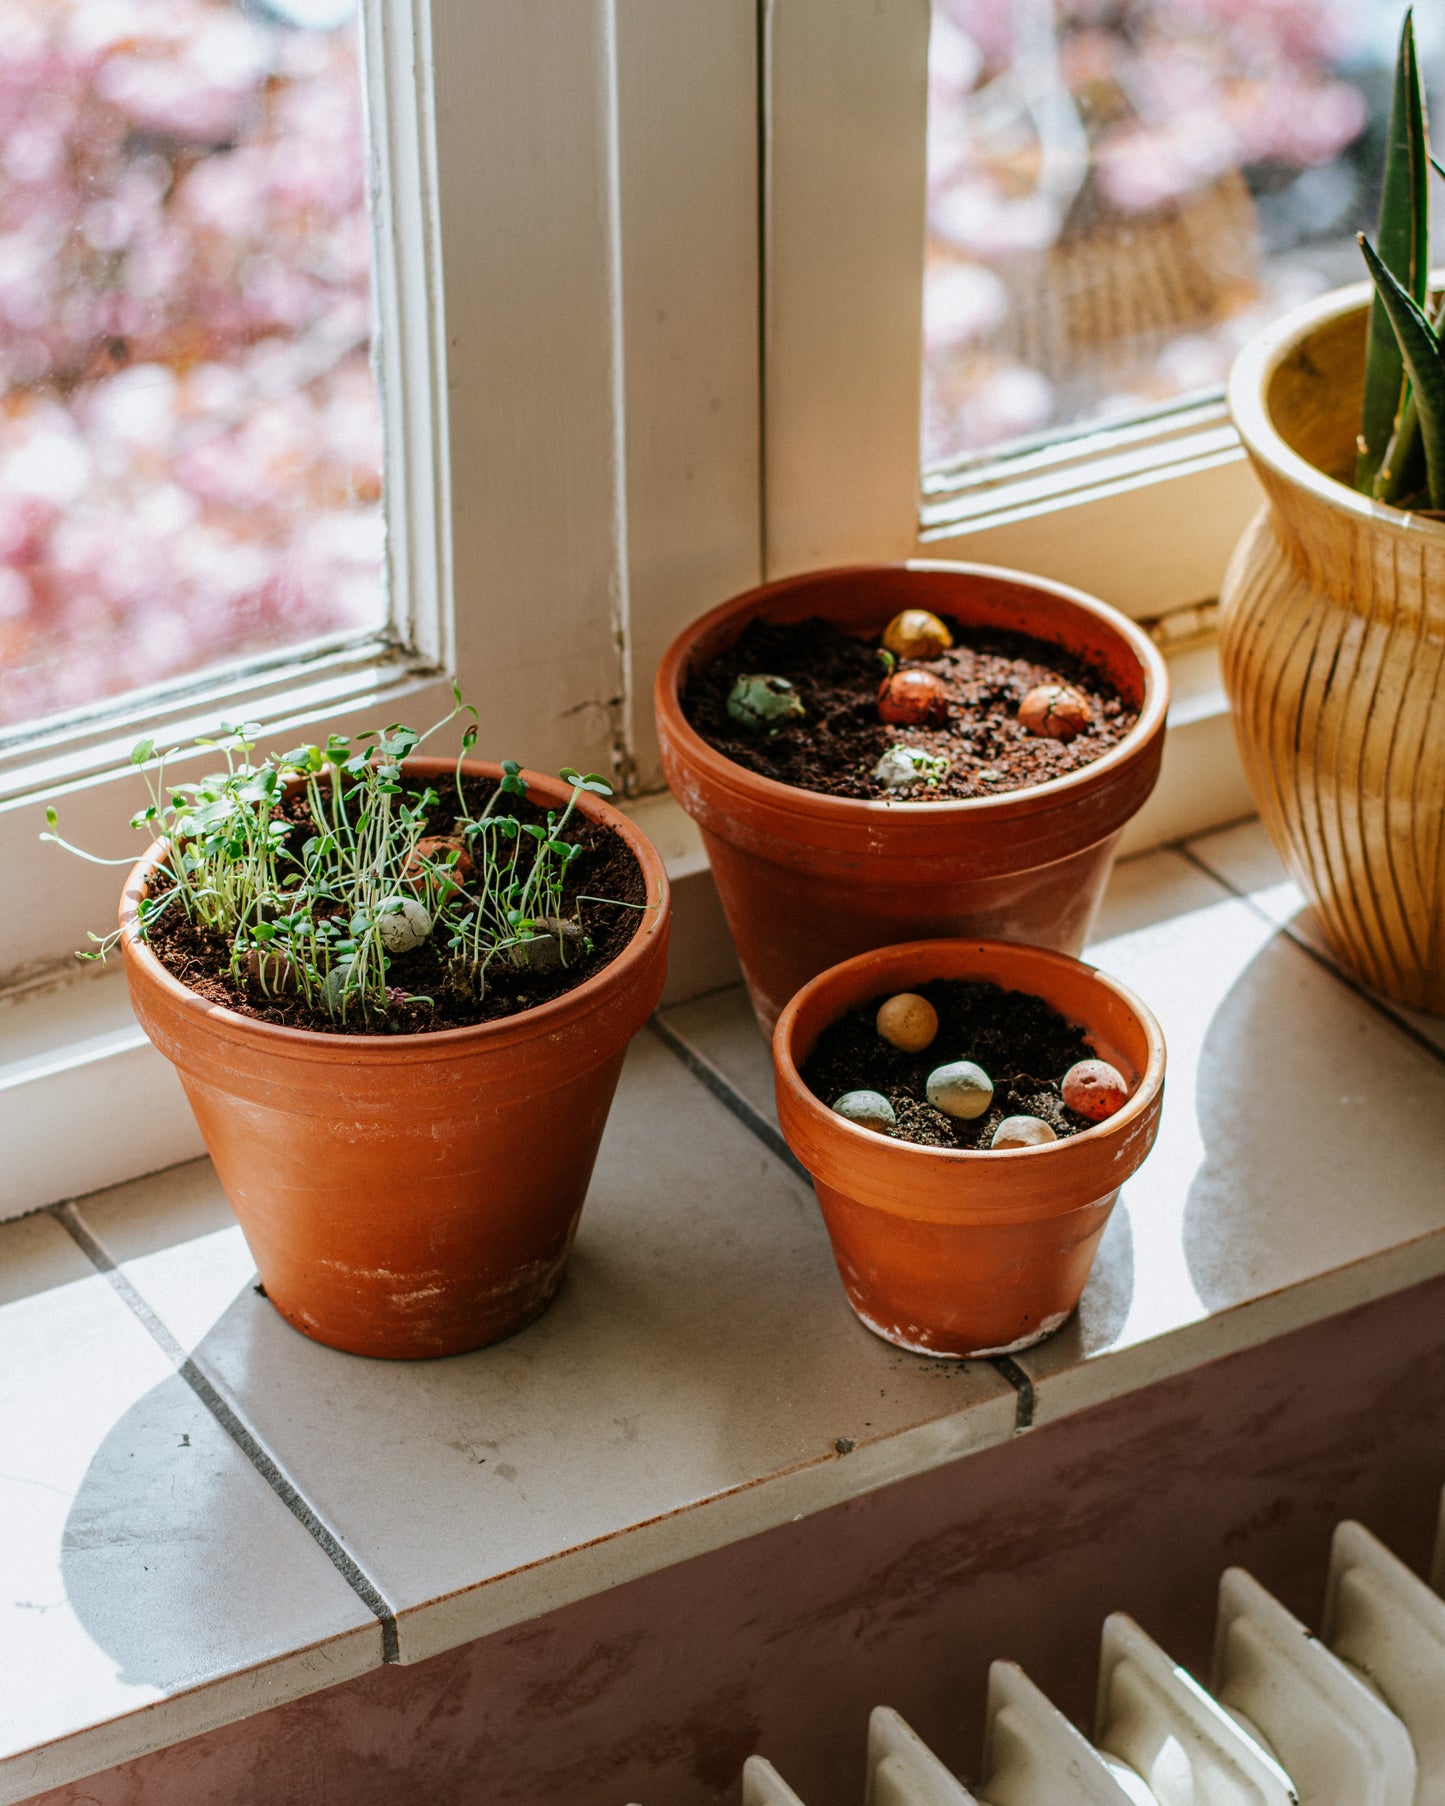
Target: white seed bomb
[(402, 923), (1022, 1132), (901, 767), (960, 1089), (869, 1109)]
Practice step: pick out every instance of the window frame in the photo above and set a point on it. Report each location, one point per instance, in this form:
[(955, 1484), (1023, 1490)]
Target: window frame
[(1144, 514), (571, 413)]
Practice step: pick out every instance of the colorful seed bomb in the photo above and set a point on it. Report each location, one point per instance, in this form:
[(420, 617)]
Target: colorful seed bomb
[(1022, 1132), (907, 1021), (272, 973), (1095, 1089), (912, 699), (901, 767), (869, 1109), (764, 703), (447, 851), (1054, 712), (402, 923), (960, 1089), (916, 634)]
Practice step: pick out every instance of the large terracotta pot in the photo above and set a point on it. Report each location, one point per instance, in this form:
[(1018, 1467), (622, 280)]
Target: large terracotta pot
[(948, 1251), (806, 879), (410, 1195), (1333, 646)]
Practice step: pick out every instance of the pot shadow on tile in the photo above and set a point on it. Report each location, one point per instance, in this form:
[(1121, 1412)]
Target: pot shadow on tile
[(179, 1561), (1318, 1120), (701, 1340)]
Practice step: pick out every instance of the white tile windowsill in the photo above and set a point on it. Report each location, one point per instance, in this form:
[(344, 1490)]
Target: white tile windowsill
[(207, 1515)]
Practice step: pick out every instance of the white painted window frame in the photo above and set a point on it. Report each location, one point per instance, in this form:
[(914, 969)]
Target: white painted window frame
[(1143, 514), (565, 205)]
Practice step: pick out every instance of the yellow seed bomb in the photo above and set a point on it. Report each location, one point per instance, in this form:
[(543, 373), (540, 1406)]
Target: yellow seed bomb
[(907, 1021), (916, 634)]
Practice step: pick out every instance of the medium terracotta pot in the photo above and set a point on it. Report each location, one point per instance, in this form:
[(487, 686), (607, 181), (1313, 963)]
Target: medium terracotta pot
[(1332, 640), (806, 879), (948, 1251), (410, 1195)]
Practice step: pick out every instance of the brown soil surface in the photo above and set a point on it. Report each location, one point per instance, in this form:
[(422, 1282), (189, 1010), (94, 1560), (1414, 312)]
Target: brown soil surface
[(201, 958), (1023, 1044), (835, 746)]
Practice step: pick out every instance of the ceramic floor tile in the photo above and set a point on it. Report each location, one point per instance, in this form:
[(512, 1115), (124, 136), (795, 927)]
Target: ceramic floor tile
[(699, 1378), (1244, 858), (722, 1031), (151, 1585), (1297, 1169)]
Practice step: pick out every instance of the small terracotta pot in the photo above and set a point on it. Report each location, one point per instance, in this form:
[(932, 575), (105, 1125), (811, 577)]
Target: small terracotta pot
[(807, 879), (948, 1251), (410, 1195)]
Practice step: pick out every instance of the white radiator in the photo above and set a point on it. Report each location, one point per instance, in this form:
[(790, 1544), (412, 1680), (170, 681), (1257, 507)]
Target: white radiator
[(1355, 1717)]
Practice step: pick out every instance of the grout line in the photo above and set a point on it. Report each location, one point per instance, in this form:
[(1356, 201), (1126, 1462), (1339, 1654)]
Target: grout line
[(1321, 959), (747, 1114), (1022, 1384), (753, 1119), (235, 1427)]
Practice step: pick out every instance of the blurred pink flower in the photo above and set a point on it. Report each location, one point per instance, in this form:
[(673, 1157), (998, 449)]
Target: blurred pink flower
[(190, 417)]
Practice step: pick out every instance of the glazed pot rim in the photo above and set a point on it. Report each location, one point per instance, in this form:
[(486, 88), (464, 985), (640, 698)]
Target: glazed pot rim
[(795, 798), (939, 1159), (524, 1025), (1250, 376)]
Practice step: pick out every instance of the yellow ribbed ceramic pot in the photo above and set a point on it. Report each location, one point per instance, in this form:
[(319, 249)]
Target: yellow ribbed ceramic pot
[(1333, 646)]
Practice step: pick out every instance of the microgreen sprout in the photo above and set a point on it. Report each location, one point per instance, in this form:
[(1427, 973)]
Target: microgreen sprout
[(318, 868)]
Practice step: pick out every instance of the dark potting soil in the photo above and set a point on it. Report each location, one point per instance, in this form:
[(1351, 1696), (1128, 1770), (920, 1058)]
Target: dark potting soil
[(201, 958), (835, 745), (1022, 1043)]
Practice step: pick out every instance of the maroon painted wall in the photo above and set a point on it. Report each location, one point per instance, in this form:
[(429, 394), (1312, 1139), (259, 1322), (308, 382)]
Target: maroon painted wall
[(657, 1691)]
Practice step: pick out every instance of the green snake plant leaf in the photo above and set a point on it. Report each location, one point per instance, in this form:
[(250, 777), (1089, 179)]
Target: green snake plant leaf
[(1403, 249), (1424, 364)]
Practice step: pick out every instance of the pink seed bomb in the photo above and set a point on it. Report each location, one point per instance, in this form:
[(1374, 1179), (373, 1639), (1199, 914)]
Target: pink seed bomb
[(1095, 1089)]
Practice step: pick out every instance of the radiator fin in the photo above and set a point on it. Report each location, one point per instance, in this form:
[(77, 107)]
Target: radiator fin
[(1384, 1621), (1355, 1717), (1339, 1742)]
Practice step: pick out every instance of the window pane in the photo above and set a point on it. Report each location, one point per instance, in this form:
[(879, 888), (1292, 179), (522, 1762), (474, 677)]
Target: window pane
[(1120, 193), (190, 448)]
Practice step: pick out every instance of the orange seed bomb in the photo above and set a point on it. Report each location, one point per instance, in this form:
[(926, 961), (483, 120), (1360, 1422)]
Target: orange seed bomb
[(912, 699), (1055, 712), (1095, 1089)]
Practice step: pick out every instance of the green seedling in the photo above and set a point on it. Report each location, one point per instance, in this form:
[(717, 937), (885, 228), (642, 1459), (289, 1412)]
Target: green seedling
[(306, 863)]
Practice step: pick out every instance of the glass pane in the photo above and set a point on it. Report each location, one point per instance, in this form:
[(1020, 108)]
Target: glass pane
[(1119, 193), (190, 457)]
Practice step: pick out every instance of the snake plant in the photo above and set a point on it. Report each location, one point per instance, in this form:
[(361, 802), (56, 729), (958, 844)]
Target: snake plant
[(1400, 452)]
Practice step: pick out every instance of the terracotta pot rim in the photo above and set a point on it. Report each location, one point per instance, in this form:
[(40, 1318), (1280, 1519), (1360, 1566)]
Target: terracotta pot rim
[(1250, 377), (793, 798), (525, 1025), (910, 1153)]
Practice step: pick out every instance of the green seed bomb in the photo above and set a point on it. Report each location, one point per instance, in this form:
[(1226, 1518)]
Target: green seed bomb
[(869, 1109), (763, 703)]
